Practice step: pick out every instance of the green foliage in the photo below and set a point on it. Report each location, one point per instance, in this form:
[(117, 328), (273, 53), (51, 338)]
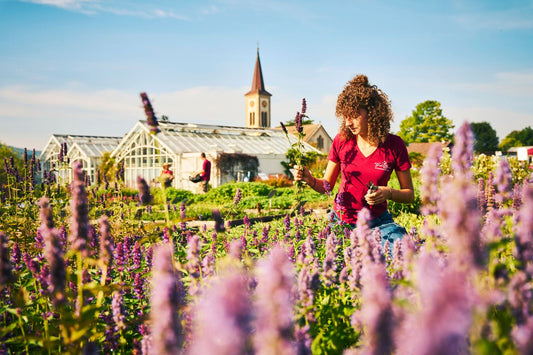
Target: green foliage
[(426, 124), (417, 159), (485, 138), (332, 332), (517, 139), (108, 167)]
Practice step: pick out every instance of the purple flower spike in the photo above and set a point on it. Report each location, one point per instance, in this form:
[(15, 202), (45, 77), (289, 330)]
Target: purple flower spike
[(223, 316), (79, 220), (219, 221), (463, 151), (238, 196), (284, 128), (53, 253), (144, 191), (503, 179), (376, 311), (327, 188), (274, 314), (462, 220), (166, 298), (118, 313), (443, 321), (106, 242), (6, 273), (150, 115), (429, 190)]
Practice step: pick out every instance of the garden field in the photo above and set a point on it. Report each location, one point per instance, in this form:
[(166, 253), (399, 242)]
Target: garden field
[(258, 267)]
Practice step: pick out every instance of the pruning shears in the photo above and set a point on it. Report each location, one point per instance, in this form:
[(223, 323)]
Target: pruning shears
[(371, 187)]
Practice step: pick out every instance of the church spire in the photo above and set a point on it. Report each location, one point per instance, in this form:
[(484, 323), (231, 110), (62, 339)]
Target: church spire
[(258, 85)]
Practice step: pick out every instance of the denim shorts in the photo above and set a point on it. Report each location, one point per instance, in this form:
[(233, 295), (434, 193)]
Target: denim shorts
[(389, 230)]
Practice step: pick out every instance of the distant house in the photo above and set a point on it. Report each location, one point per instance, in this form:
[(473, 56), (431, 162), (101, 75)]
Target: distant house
[(315, 134), (522, 153), (86, 149)]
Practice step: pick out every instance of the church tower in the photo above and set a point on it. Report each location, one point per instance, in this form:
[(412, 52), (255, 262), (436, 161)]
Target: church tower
[(258, 100)]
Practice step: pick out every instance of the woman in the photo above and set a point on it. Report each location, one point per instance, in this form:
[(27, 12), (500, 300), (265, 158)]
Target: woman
[(365, 154), (167, 176)]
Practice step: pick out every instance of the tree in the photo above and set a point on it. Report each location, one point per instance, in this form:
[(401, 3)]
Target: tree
[(517, 139), (485, 138), (426, 124)]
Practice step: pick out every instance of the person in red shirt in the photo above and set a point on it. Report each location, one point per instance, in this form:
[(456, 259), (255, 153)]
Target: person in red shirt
[(167, 176), (206, 173), (365, 154)]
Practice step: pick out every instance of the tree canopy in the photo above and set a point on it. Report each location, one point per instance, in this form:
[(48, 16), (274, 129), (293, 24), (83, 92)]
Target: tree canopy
[(426, 124), (485, 138), (517, 139)]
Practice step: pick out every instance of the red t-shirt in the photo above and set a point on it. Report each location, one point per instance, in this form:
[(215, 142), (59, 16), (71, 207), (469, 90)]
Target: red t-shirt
[(206, 167), (357, 171)]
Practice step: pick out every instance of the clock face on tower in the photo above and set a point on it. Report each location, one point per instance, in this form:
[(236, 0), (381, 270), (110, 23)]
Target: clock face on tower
[(252, 103), (264, 103)]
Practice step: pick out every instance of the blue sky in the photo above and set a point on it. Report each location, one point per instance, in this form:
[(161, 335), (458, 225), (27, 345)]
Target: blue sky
[(78, 66)]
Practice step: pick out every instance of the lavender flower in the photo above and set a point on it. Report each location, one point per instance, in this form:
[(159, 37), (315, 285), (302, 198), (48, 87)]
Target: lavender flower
[(443, 320), (461, 220), (16, 256), (166, 329), (53, 253), (238, 196), (118, 313), (327, 188), (151, 120), (106, 242), (429, 190), (463, 151), (193, 257), (6, 273), (273, 304), (329, 265), (219, 221), (503, 179), (137, 255), (524, 230), (144, 191), (376, 311), (223, 316), (79, 220), (138, 286), (284, 128)]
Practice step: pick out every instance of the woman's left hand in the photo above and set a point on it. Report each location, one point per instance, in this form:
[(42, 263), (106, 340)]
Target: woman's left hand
[(381, 195)]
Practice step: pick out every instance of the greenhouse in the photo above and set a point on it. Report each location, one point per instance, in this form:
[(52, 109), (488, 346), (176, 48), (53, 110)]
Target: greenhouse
[(62, 150), (236, 153)]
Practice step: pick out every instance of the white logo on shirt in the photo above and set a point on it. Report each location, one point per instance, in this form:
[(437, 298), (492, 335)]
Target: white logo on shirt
[(382, 166)]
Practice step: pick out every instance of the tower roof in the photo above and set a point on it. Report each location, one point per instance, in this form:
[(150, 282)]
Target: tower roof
[(258, 85)]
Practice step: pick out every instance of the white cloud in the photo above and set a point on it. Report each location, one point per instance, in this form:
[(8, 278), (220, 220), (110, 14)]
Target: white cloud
[(517, 18), (121, 8)]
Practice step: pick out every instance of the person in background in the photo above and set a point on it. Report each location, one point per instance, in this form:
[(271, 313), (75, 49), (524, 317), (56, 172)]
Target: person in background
[(365, 154), (205, 173), (167, 176)]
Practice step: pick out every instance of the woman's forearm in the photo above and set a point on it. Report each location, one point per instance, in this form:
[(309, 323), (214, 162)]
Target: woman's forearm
[(402, 195)]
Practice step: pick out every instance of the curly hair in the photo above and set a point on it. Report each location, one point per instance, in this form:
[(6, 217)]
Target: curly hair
[(357, 94)]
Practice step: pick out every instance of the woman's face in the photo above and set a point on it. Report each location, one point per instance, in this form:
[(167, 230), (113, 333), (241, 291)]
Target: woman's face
[(358, 125)]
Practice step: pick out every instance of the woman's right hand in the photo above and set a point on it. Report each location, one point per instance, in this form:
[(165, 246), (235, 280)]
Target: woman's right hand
[(302, 173)]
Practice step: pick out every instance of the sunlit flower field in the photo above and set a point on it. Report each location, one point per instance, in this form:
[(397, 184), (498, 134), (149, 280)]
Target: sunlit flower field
[(86, 272)]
